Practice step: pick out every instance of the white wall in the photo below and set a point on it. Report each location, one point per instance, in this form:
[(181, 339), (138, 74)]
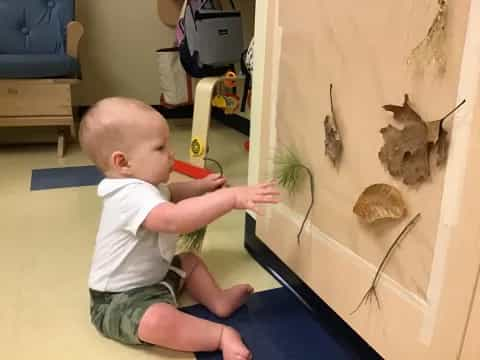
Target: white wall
[(118, 49)]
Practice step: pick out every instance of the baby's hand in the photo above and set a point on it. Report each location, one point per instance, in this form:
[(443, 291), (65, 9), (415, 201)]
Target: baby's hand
[(213, 182), (247, 197)]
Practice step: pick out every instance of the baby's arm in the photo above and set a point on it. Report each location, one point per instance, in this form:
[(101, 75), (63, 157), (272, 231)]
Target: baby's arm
[(193, 213), (187, 189)]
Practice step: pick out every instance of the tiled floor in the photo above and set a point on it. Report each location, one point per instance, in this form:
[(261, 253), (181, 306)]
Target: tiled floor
[(47, 240)]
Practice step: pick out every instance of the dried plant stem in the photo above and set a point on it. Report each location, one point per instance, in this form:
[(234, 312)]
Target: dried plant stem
[(452, 111), (312, 194), (431, 50), (334, 119), (372, 291)]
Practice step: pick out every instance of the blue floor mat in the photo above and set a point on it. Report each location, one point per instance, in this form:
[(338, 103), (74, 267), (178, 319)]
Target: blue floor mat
[(43, 179), (275, 325)]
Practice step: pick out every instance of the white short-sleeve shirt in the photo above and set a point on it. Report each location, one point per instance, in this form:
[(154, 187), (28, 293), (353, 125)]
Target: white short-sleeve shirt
[(127, 255)]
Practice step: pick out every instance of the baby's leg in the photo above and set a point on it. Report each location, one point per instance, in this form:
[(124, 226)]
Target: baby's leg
[(203, 288), (165, 326)]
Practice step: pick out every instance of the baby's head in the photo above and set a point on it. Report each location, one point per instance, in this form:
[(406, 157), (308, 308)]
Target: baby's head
[(127, 138)]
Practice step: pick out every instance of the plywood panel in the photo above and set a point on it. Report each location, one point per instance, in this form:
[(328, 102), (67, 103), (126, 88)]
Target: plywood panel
[(363, 51)]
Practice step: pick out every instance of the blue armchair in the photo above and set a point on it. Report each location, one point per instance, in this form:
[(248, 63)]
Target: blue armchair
[(38, 64)]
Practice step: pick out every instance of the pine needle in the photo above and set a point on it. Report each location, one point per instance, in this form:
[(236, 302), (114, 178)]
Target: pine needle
[(193, 241), (290, 173), (372, 291)]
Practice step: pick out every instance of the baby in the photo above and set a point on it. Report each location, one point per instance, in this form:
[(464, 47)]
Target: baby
[(135, 274)]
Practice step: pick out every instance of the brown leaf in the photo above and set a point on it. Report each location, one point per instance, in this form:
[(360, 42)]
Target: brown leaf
[(433, 131), (437, 138), (333, 140), (405, 152), (441, 142), (403, 113), (418, 168), (380, 201)]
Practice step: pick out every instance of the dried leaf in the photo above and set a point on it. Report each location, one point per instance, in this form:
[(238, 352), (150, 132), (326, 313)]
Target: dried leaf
[(402, 147), (418, 169), (438, 136), (405, 152), (404, 113), (380, 201), (433, 131), (442, 147), (333, 140)]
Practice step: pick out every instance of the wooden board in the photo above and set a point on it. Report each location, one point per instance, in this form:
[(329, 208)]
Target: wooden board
[(364, 51), (34, 98)]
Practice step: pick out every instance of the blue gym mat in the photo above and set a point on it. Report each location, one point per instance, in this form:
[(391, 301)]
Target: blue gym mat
[(43, 179), (275, 325)]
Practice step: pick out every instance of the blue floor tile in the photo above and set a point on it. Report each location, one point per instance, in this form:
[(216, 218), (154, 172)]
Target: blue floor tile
[(43, 179), (276, 326)]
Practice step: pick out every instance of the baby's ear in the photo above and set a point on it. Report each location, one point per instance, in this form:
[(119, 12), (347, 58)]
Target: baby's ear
[(120, 163)]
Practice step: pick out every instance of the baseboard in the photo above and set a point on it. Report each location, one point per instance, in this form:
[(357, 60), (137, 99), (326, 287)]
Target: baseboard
[(319, 309), (175, 113)]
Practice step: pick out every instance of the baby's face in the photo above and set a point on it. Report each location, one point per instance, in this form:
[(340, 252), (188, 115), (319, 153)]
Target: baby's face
[(151, 158)]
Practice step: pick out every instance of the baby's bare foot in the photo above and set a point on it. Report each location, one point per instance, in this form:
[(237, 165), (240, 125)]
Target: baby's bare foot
[(232, 299), (232, 345)]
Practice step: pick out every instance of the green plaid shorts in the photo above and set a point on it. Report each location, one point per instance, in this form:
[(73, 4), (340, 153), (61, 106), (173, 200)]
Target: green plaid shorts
[(117, 315)]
